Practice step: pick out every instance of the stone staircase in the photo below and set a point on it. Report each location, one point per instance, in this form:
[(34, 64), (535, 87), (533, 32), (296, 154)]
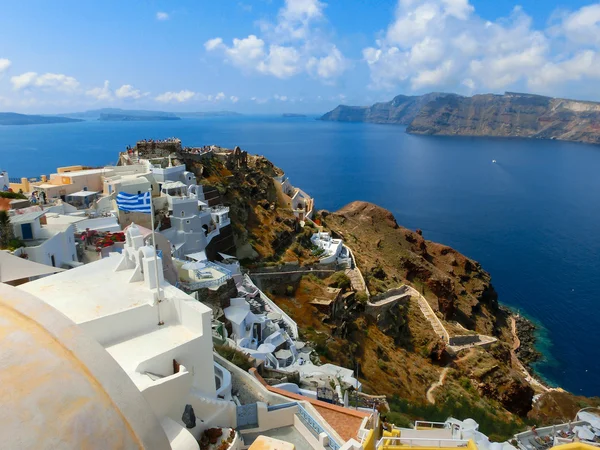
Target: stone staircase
[(427, 311)]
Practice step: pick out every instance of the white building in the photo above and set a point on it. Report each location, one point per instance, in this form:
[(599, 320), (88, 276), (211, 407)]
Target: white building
[(259, 335), (331, 250), (174, 174), (4, 181), (61, 389), (193, 223), (161, 338), (52, 244), (300, 202)]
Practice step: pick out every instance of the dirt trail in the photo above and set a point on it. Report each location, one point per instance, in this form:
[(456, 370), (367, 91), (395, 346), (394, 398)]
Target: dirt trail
[(519, 365), (437, 384), (513, 326)]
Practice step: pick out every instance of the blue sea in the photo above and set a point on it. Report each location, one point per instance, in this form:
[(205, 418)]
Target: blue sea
[(531, 219)]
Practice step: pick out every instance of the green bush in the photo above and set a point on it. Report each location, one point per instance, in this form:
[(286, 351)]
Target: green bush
[(497, 428), (7, 194), (340, 280), (234, 356), (362, 298), (14, 244)]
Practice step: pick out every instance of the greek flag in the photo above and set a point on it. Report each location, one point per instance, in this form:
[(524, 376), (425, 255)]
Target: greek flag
[(135, 202)]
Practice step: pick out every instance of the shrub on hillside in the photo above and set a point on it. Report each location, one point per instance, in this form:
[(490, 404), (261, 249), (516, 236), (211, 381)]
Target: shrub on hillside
[(8, 194), (340, 280), (234, 356)]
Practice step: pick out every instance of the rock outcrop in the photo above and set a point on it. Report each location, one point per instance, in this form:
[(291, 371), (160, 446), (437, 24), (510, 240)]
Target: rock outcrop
[(508, 115)]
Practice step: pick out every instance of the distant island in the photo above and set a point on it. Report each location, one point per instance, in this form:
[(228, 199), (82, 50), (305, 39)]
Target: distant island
[(509, 115), (292, 115), (118, 114), (9, 118), (129, 118), (191, 115)]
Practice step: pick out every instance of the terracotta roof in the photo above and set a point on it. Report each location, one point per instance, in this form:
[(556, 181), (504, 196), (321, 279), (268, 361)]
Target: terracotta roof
[(346, 422)]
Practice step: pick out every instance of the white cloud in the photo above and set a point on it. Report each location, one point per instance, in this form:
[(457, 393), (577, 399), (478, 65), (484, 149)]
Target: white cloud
[(281, 98), (234, 99), (161, 15), (49, 81), (213, 44), (293, 44), (23, 81), (281, 62), (445, 44), (441, 43), (582, 26), (4, 64), (176, 97), (329, 66), (128, 91), (101, 93)]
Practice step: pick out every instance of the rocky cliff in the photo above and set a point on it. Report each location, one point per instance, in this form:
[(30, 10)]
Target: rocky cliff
[(508, 115)]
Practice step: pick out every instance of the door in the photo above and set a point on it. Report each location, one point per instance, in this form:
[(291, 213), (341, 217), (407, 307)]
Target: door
[(53, 260), (26, 231)]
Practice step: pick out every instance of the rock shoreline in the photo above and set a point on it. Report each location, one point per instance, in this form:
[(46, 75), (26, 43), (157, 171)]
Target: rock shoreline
[(527, 352)]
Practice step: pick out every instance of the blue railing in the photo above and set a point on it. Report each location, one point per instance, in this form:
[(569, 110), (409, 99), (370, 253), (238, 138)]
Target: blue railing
[(282, 406), (315, 427)]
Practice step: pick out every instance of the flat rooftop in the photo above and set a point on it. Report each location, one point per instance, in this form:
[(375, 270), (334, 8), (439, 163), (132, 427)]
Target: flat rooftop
[(95, 290), (76, 173)]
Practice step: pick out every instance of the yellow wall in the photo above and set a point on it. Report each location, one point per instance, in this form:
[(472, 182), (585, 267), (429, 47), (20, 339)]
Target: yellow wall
[(576, 446), (470, 446), (370, 441)]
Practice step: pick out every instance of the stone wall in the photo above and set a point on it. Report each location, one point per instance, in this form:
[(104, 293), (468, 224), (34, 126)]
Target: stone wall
[(383, 302), (465, 339)]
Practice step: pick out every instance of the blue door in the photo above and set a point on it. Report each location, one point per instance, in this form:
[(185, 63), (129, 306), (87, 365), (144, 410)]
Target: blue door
[(26, 231)]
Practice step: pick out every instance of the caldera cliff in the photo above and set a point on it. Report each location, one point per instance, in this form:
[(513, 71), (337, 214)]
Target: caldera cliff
[(508, 115)]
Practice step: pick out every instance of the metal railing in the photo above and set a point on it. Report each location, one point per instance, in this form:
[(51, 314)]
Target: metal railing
[(422, 442), (315, 427), (419, 424)]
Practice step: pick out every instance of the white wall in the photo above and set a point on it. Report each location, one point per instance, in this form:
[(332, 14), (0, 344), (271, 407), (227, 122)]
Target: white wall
[(61, 245), (168, 396)]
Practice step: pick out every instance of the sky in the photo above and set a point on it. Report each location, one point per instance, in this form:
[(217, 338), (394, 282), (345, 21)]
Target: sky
[(273, 56)]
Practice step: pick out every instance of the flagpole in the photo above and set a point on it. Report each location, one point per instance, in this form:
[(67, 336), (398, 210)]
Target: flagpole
[(160, 322)]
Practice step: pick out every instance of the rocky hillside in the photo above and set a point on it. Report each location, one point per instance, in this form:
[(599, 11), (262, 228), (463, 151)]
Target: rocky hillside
[(508, 115), (397, 352), (389, 254)]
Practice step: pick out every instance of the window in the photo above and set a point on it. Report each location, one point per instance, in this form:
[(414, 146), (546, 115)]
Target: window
[(182, 213), (139, 192), (187, 221)]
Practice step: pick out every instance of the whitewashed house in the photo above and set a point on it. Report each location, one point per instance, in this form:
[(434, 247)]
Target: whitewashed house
[(193, 223), (259, 334), (333, 251), (52, 244), (160, 336)]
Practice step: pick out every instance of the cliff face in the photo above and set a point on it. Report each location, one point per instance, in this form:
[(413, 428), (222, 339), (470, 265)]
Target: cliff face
[(401, 110), (509, 115)]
